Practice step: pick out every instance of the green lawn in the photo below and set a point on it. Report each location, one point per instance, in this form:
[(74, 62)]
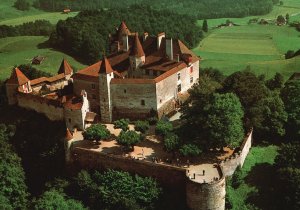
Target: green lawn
[(257, 175), (19, 50), (11, 16), (261, 47)]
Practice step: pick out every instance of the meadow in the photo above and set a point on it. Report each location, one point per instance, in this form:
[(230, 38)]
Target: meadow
[(258, 47), (20, 50), (11, 16)]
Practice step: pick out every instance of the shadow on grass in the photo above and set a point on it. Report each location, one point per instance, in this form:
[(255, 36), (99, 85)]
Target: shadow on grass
[(263, 178), (47, 45)]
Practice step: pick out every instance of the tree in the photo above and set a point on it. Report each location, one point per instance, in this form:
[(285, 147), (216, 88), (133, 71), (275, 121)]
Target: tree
[(287, 17), (55, 200), (163, 128), (280, 20), (288, 155), (128, 138), (22, 5), (13, 189), (250, 90), (141, 126), (122, 124), (190, 150), (224, 125), (289, 54), (205, 26), (171, 142), (96, 132), (276, 82), (290, 97)]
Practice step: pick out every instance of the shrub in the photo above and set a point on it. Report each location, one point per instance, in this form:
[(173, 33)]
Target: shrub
[(22, 5), (289, 54), (190, 150), (129, 138), (163, 128), (96, 132), (171, 142), (141, 126), (152, 120), (122, 123)]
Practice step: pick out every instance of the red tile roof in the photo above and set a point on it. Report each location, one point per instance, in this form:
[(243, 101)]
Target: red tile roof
[(105, 66), (17, 78), (65, 68), (69, 136), (73, 102), (137, 49), (47, 79)]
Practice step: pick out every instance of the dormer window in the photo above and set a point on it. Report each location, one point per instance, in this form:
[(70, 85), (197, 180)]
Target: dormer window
[(93, 86), (178, 76)]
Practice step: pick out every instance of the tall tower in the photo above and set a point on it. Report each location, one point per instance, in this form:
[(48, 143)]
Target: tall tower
[(137, 57), (17, 82), (105, 76)]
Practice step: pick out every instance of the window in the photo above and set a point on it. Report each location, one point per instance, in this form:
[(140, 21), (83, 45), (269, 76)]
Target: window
[(147, 72), (160, 100), (143, 102), (154, 73), (70, 120), (93, 86), (191, 69), (93, 96), (125, 91), (178, 76), (191, 80), (179, 88)]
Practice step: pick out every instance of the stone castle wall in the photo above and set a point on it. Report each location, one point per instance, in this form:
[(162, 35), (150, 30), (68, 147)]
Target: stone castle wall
[(206, 195), (237, 159), (51, 108)]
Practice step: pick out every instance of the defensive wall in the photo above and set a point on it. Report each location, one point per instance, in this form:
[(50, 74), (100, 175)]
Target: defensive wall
[(53, 109), (237, 159)]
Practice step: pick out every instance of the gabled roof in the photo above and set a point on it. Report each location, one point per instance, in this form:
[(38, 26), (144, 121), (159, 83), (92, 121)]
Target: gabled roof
[(69, 136), (137, 49), (65, 68), (17, 78), (105, 66), (123, 29)]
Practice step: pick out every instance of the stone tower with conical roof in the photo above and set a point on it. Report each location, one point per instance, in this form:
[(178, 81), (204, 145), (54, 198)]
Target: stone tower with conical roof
[(137, 57), (17, 82), (105, 76)]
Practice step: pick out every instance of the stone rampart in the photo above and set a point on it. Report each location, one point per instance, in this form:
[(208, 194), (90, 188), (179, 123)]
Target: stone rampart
[(237, 159), (51, 108), (203, 196)]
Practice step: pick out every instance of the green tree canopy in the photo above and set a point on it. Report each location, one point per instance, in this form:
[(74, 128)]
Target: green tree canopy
[(163, 128), (22, 5), (205, 26), (171, 142), (122, 124), (52, 199), (128, 138), (190, 150), (141, 126), (290, 96), (96, 132)]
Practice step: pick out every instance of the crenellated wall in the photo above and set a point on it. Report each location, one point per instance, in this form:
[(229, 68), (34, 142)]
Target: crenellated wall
[(237, 159)]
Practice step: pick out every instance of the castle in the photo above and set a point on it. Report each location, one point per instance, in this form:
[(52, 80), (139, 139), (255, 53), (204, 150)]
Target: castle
[(142, 75)]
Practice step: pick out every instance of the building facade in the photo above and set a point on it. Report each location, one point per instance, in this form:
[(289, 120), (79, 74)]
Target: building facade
[(143, 76)]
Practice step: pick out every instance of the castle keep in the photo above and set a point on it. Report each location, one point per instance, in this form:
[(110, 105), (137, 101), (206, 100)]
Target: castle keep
[(142, 75)]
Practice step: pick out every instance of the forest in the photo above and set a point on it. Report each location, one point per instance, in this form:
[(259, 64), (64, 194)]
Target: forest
[(200, 9), (86, 35)]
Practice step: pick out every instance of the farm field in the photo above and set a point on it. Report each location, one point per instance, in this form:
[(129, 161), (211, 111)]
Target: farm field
[(258, 47), (11, 16), (20, 50)]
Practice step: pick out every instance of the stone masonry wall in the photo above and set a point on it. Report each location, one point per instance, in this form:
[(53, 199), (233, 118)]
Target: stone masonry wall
[(237, 159), (51, 109), (207, 196)]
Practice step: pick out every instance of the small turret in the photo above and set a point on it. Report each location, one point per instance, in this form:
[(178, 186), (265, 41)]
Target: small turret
[(137, 56)]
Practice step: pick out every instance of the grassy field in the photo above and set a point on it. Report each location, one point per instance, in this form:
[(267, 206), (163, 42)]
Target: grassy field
[(19, 50), (11, 16), (259, 47), (256, 176)]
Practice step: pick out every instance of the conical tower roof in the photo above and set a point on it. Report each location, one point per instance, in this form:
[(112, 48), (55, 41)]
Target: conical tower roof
[(17, 77), (123, 29), (105, 66), (69, 136), (65, 68), (137, 49)]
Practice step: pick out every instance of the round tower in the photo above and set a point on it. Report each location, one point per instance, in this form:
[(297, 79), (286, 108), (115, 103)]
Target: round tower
[(205, 188)]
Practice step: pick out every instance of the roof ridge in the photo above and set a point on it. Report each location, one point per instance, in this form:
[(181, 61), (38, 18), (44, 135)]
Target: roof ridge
[(105, 66), (137, 48)]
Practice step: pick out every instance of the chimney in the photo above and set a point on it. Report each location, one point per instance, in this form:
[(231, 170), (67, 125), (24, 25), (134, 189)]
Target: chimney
[(159, 38), (145, 36), (125, 43), (169, 48)]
